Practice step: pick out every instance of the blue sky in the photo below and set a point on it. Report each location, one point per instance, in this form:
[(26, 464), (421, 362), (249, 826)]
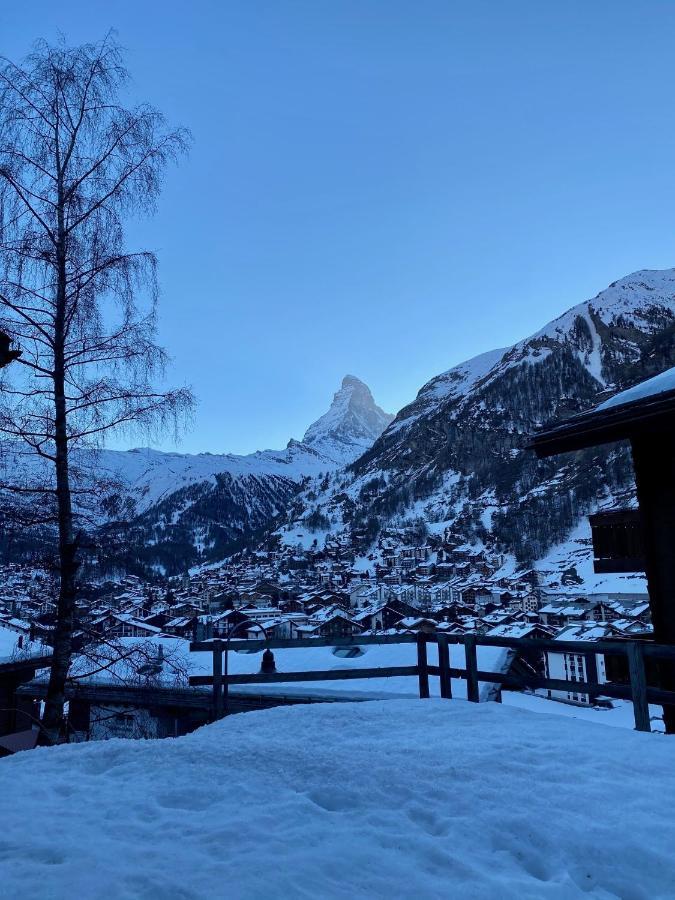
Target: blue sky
[(384, 188)]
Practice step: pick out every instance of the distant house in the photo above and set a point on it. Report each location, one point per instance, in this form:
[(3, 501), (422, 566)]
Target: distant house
[(118, 625), (419, 623), (330, 622), (382, 616), (530, 603), (573, 667)]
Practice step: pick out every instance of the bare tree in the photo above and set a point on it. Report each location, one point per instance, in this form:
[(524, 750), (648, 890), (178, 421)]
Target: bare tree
[(74, 164)]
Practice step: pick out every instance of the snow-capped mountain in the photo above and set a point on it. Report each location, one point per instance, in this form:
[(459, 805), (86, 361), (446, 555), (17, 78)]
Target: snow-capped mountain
[(179, 508), (349, 427), (352, 423), (457, 455)]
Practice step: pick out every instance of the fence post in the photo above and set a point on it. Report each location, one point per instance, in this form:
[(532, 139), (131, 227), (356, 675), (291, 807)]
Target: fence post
[(217, 680), (591, 673), (472, 692), (444, 666), (422, 665), (638, 686)]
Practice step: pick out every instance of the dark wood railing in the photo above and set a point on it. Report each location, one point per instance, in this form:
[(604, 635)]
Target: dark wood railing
[(636, 652)]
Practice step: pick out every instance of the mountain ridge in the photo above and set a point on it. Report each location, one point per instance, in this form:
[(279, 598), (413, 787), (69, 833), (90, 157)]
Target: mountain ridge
[(176, 510), (456, 455)]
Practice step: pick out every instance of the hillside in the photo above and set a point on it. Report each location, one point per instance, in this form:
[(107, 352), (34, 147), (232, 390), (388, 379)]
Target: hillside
[(457, 455)]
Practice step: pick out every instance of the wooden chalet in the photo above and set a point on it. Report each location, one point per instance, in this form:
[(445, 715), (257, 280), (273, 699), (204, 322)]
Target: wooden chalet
[(644, 416)]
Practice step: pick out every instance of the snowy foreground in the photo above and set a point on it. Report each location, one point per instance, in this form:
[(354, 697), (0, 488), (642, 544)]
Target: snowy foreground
[(392, 798)]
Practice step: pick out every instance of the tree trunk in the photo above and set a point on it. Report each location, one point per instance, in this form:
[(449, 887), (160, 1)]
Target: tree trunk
[(53, 719)]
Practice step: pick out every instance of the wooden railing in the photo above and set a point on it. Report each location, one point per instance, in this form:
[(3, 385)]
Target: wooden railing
[(636, 652)]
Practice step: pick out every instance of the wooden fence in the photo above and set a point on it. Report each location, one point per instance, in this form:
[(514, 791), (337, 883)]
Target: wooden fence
[(637, 691)]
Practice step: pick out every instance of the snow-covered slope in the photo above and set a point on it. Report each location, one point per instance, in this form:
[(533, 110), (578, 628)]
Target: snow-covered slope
[(457, 455), (515, 804)]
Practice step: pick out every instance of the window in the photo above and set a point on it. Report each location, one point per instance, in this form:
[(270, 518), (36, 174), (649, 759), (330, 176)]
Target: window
[(125, 721)]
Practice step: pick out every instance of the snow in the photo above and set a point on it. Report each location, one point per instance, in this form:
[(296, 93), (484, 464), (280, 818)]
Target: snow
[(665, 381), (577, 552), (353, 421), (455, 383), (429, 799), (129, 654), (619, 715), (9, 646), (632, 299)]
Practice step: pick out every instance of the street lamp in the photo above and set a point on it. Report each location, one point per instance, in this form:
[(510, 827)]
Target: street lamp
[(228, 637)]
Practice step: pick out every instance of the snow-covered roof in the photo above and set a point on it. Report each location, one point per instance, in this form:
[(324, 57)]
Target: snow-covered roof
[(514, 630), (9, 646), (585, 631), (659, 384)]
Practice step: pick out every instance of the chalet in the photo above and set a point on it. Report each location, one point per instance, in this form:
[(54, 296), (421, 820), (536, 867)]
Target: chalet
[(493, 619), (524, 662), (419, 623), (380, 616), (530, 602), (566, 666), (364, 595), (645, 416), (451, 612), (284, 628), (333, 622), (119, 625), (563, 613), (181, 626)]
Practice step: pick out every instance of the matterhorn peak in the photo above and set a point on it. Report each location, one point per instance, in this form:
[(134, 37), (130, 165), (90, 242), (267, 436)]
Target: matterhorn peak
[(353, 422)]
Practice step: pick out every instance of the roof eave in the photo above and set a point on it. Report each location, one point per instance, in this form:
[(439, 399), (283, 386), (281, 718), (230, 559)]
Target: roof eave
[(603, 426)]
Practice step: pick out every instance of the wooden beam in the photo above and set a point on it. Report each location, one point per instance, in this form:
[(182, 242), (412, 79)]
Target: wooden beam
[(324, 675), (217, 680), (444, 667), (638, 687), (472, 688), (291, 643), (654, 463), (422, 666)]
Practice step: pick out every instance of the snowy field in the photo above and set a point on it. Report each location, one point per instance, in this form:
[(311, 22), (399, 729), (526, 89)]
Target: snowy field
[(397, 798)]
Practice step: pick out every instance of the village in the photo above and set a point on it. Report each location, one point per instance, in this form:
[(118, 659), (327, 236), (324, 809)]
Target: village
[(438, 587)]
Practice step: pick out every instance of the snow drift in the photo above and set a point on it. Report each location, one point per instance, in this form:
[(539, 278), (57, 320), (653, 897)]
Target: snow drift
[(382, 799)]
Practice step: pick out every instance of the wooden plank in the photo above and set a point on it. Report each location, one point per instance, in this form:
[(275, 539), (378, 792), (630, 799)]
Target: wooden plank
[(553, 684), (657, 651), (422, 666), (444, 667), (654, 650), (591, 662), (293, 643), (472, 690), (217, 680), (638, 686), (326, 675)]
